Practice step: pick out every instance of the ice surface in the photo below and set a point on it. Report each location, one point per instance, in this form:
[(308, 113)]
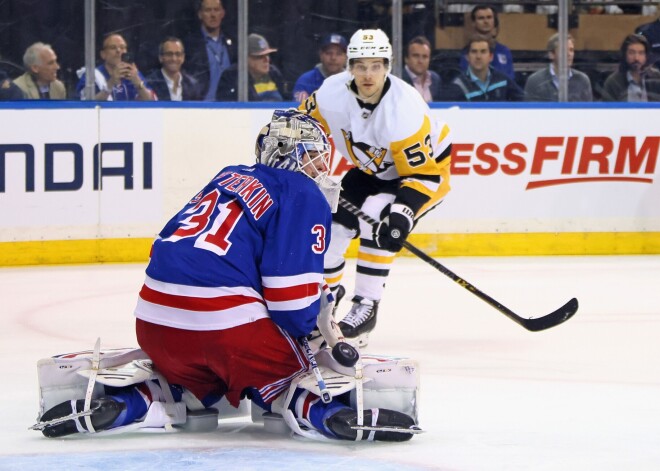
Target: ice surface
[(581, 396)]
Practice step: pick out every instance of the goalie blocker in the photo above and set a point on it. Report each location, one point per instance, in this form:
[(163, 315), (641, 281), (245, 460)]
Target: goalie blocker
[(71, 391)]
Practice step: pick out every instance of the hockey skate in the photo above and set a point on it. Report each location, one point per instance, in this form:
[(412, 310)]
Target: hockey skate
[(359, 321), (68, 417), (379, 424)]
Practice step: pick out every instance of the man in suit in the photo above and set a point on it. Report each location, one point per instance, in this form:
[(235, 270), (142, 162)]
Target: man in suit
[(416, 71), (170, 82), (210, 50), (39, 82)]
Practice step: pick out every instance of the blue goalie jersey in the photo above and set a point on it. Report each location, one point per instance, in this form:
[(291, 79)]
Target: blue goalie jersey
[(249, 246)]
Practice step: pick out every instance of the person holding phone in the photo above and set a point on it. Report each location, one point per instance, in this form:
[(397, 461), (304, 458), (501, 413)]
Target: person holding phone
[(117, 78)]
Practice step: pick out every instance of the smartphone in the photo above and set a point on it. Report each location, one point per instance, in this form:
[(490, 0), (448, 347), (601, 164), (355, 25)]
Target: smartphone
[(127, 57)]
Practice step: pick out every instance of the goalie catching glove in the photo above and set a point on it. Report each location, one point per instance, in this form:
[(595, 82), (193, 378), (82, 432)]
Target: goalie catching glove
[(391, 232)]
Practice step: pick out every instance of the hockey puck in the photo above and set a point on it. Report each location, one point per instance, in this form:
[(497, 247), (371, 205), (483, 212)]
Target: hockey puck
[(345, 354)]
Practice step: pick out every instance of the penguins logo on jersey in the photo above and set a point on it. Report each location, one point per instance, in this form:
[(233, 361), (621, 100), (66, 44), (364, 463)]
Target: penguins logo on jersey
[(367, 158)]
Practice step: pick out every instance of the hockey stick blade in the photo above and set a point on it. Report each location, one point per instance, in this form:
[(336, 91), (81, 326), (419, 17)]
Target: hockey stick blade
[(553, 319), (557, 317), (368, 428)]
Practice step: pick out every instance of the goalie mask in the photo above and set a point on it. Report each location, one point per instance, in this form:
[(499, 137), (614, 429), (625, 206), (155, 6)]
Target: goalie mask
[(297, 142)]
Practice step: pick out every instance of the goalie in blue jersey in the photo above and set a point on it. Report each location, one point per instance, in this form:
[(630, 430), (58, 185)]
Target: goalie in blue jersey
[(233, 288)]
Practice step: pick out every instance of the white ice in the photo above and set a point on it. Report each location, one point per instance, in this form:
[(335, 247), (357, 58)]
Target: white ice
[(582, 396)]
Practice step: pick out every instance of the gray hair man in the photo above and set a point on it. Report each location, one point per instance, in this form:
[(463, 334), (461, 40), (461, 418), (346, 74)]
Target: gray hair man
[(39, 82)]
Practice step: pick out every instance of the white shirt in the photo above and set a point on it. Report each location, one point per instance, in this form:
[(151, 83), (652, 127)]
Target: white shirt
[(175, 95)]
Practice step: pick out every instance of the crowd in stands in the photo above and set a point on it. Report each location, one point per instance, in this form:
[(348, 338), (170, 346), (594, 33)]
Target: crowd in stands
[(195, 57)]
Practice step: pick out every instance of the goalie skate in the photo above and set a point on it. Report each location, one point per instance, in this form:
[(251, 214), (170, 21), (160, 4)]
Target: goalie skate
[(63, 419), (382, 424)]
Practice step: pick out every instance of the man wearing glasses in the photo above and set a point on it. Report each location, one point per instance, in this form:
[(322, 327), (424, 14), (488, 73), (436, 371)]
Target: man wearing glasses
[(118, 78), (170, 82)]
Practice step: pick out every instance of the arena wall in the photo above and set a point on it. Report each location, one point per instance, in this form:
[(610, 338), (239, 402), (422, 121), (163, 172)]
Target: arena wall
[(81, 183)]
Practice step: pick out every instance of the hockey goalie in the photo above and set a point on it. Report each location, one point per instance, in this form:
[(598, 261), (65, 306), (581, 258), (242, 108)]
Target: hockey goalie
[(233, 294)]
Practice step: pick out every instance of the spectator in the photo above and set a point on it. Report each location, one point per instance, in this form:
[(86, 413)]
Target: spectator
[(118, 78), (264, 79), (416, 71), (481, 82), (635, 81), (651, 31), (39, 82), (543, 85), (333, 60), (485, 22), (170, 82), (8, 89), (210, 50)]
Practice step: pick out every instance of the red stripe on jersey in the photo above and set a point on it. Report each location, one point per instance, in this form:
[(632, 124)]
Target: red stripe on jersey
[(290, 293), (196, 304)]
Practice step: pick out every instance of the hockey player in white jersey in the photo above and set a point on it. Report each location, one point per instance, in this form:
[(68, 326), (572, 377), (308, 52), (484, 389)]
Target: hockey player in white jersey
[(402, 163), (233, 288)]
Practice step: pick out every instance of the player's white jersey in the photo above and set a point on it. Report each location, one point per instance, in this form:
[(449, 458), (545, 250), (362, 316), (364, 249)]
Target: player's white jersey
[(396, 139)]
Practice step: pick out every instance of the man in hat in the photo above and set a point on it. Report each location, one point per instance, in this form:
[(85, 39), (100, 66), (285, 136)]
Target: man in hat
[(332, 54), (264, 79)]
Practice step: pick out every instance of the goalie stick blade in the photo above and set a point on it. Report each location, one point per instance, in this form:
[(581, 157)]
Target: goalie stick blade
[(413, 430), (553, 319)]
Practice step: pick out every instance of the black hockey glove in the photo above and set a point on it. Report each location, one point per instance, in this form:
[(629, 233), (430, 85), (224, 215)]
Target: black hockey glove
[(392, 231)]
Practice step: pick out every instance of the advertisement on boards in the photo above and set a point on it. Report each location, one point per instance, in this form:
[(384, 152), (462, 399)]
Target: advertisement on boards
[(80, 174), (549, 170)]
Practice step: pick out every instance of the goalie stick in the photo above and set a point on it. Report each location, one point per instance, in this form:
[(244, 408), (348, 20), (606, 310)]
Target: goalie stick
[(326, 397), (532, 324)]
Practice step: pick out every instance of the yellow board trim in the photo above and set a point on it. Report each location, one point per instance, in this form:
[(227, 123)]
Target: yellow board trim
[(49, 252), (550, 243)]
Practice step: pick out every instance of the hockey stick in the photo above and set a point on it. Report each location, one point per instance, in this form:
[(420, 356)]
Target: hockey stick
[(532, 324), (326, 397)]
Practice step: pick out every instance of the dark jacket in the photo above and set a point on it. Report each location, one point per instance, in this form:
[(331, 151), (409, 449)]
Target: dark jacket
[(616, 86), (228, 86), (191, 90), (436, 83), (500, 88), (8, 89), (197, 60)]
